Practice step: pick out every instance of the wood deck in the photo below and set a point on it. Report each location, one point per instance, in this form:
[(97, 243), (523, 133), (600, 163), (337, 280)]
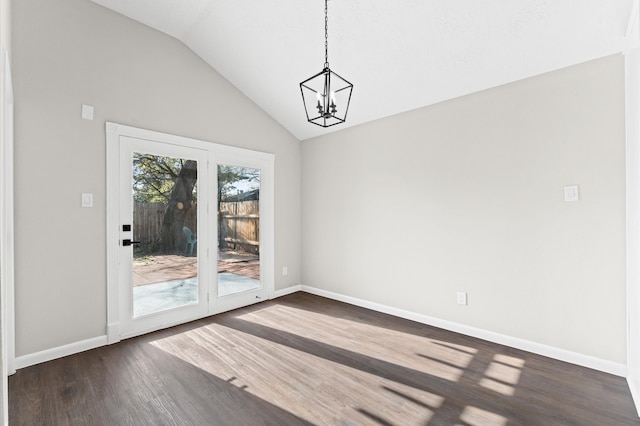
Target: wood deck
[(301, 360), (162, 268)]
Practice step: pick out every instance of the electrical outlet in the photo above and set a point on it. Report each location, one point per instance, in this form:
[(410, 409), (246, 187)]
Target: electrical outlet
[(571, 193), (285, 270), (87, 199), (462, 298)]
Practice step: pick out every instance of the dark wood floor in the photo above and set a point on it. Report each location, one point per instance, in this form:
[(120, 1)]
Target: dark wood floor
[(302, 360)]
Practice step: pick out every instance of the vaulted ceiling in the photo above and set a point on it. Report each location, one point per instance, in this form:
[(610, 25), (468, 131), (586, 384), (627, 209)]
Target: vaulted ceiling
[(400, 55)]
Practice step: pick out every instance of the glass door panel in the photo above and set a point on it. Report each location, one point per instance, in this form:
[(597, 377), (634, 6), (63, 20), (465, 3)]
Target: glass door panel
[(238, 229), (163, 264), (165, 233)]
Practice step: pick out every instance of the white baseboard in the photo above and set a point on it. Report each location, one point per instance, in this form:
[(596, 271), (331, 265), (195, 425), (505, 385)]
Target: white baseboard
[(59, 352), (113, 333), (514, 342), (285, 291)]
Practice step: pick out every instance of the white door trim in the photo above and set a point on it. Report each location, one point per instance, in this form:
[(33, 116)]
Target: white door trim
[(113, 133), (7, 261)]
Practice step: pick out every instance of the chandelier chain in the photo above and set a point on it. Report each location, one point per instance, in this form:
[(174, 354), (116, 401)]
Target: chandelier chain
[(326, 34)]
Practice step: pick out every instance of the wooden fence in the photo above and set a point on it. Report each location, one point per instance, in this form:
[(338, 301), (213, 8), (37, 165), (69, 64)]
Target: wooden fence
[(238, 227), (147, 222)]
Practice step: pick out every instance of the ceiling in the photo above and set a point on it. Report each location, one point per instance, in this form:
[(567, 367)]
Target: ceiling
[(399, 55)]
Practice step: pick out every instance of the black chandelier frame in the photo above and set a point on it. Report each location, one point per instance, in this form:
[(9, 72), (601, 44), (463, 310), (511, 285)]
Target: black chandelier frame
[(326, 96)]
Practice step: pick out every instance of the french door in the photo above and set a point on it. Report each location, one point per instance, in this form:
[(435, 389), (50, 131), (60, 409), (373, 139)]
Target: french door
[(164, 272), (243, 265), (189, 227)]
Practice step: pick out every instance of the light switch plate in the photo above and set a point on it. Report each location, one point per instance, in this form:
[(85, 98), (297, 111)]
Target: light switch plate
[(87, 199), (87, 112), (571, 193)]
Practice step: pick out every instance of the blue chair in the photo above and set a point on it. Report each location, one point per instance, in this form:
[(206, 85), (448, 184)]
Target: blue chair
[(191, 240)]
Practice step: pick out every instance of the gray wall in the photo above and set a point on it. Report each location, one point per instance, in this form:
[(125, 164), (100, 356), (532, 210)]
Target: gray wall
[(70, 52), (467, 195)]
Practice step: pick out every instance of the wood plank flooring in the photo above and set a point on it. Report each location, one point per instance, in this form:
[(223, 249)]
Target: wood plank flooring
[(303, 360)]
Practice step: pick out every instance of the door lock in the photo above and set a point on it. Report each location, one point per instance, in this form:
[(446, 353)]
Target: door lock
[(128, 242)]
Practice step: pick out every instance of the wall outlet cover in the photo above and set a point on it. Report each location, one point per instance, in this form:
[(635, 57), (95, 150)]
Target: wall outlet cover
[(87, 199)]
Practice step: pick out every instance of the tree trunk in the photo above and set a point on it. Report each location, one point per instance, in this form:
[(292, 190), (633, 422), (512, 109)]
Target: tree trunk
[(172, 239)]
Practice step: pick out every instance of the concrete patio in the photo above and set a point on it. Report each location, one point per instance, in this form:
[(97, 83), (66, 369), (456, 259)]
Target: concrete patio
[(163, 282), (150, 298)]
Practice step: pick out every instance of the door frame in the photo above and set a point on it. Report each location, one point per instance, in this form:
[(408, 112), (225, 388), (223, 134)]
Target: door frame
[(7, 261), (114, 132)]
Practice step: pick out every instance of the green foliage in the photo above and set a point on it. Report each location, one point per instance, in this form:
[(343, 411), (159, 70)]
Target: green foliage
[(234, 179), (154, 177)]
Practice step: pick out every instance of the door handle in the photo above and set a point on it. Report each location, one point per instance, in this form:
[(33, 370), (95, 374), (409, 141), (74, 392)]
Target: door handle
[(128, 242)]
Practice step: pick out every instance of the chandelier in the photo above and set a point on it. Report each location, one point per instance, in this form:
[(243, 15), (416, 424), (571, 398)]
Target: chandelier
[(326, 95)]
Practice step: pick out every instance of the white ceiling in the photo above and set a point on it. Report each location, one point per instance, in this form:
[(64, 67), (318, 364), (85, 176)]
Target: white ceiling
[(399, 54)]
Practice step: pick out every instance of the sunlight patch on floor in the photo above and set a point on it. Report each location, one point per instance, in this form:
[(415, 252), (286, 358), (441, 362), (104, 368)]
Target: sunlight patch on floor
[(228, 354), (474, 416), (288, 339), (439, 359), (503, 374)]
